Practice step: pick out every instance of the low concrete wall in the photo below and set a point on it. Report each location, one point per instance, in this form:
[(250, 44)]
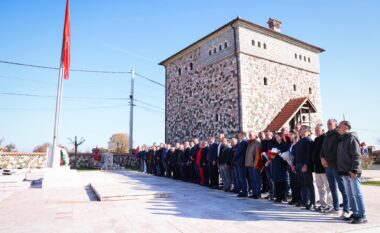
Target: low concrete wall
[(14, 160), (18, 160)]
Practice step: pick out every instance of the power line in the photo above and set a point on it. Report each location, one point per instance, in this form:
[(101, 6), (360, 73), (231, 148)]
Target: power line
[(81, 70), (66, 97), (29, 65), (56, 68), (149, 109), (153, 106), (151, 80), (67, 109)]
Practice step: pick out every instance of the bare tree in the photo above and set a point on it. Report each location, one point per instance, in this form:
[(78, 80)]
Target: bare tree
[(42, 148), (76, 144), (119, 143), (11, 147)]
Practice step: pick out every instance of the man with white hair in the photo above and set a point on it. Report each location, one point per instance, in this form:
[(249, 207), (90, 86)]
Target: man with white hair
[(320, 175), (349, 169), (329, 161), (252, 164)]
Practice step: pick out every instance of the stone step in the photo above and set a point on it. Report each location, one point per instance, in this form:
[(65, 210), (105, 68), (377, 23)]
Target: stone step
[(120, 192), (7, 172)]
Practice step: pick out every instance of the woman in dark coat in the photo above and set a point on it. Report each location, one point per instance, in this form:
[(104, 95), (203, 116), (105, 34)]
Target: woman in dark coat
[(280, 173), (204, 164)]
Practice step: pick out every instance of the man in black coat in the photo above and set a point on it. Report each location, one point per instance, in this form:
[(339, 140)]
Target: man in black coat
[(204, 163), (174, 162), (159, 167), (212, 158), (185, 162), (302, 161), (194, 174)]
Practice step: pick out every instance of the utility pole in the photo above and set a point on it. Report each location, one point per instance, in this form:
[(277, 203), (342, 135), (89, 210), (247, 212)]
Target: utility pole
[(131, 99)]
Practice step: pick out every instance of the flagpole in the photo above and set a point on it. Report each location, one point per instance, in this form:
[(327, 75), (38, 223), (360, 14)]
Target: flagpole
[(54, 157), (54, 160)]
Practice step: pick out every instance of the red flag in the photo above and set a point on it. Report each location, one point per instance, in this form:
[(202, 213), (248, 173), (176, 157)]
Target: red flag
[(137, 152), (96, 155), (66, 43)]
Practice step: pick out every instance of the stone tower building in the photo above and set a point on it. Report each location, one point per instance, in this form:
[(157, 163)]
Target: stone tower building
[(242, 76)]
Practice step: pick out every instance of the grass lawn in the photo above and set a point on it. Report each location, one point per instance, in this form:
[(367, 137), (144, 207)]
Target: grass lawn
[(372, 183)]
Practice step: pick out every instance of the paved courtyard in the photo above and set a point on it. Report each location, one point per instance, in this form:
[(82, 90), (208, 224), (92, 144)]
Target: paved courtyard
[(188, 208)]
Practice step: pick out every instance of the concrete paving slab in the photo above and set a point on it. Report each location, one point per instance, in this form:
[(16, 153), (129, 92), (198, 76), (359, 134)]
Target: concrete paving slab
[(192, 208)]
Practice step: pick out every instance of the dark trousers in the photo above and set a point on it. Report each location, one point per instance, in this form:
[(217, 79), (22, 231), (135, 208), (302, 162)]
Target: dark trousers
[(165, 168), (235, 178), (305, 180), (192, 176), (158, 170), (214, 175), (176, 174), (268, 172), (255, 181), (206, 174), (182, 172), (197, 173), (264, 181), (280, 190), (294, 187), (335, 183), (242, 176)]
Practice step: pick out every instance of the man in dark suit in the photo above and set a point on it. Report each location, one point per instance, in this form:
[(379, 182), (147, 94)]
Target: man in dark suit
[(194, 174), (212, 158), (185, 162), (239, 161)]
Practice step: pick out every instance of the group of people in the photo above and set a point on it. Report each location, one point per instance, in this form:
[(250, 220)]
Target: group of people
[(280, 164)]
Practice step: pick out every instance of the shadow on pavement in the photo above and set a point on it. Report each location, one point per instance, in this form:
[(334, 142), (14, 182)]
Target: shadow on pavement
[(195, 201)]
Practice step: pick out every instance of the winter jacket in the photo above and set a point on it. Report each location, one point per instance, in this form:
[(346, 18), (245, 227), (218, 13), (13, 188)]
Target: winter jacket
[(279, 165), (253, 150), (348, 154), (318, 168), (329, 147), (223, 157), (212, 153), (239, 156), (303, 152)]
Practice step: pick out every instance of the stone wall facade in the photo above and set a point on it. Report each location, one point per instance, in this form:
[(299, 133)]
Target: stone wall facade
[(217, 83), (203, 102), (262, 103)]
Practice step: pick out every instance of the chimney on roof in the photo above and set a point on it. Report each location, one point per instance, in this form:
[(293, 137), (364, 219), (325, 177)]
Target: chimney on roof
[(274, 25)]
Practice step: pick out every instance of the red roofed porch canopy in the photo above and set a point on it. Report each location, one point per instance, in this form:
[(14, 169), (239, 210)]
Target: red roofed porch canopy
[(295, 111)]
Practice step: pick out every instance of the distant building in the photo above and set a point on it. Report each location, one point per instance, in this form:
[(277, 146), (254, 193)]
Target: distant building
[(242, 76)]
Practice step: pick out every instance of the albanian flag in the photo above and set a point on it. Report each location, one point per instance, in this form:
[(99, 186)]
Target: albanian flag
[(66, 42)]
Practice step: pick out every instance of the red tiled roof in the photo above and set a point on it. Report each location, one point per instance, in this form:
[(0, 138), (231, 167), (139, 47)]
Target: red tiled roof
[(289, 110)]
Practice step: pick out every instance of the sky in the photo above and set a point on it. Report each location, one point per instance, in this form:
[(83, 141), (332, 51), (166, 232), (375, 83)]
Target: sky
[(119, 35)]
